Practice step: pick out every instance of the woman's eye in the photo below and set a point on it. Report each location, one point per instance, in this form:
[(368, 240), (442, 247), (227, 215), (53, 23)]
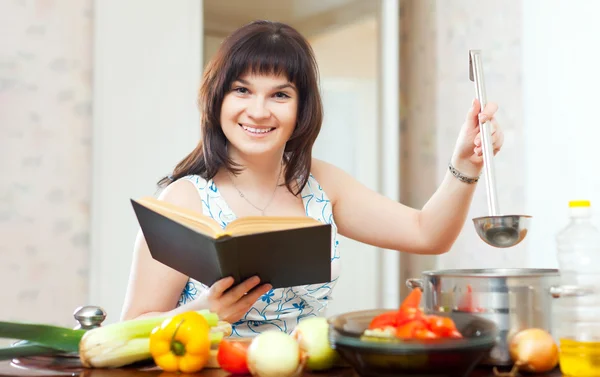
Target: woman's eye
[(241, 90), (281, 95)]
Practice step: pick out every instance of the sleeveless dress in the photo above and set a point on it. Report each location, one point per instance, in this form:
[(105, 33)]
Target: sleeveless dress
[(283, 308)]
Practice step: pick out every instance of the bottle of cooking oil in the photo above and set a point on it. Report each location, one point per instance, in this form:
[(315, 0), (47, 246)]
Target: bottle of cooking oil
[(577, 311)]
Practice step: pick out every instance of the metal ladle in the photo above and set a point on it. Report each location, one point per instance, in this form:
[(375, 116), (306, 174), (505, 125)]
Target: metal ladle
[(496, 230)]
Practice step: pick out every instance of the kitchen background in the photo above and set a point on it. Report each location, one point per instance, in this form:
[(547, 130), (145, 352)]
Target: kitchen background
[(97, 101)]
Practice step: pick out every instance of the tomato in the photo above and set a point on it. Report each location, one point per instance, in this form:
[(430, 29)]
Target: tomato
[(232, 356), (455, 334), (443, 326), (409, 310), (408, 314), (411, 322), (384, 320), (425, 334), (410, 329)]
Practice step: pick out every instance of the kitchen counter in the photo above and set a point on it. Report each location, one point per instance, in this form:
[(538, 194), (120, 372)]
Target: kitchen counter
[(13, 370)]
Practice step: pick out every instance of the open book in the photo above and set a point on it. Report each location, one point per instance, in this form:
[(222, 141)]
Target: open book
[(282, 251)]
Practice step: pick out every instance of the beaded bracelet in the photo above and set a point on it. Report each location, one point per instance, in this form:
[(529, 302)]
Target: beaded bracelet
[(460, 176)]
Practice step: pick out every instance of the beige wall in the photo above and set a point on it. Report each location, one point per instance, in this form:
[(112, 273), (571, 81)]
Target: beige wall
[(349, 51), (45, 157), (345, 51)]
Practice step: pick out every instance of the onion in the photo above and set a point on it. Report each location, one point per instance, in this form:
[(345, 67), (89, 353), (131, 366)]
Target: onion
[(275, 354), (312, 336), (532, 350)]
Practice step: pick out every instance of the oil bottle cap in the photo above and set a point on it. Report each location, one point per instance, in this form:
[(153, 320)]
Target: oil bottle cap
[(579, 203)]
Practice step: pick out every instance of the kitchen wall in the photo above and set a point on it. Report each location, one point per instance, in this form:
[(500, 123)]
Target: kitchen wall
[(45, 157), (437, 93)]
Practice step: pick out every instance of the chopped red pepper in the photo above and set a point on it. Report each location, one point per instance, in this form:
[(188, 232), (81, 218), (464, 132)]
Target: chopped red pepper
[(426, 334), (384, 320), (411, 323), (442, 326), (412, 301), (410, 329), (410, 314)]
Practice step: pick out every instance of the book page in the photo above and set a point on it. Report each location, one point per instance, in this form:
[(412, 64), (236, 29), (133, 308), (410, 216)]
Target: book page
[(261, 224), (184, 216)]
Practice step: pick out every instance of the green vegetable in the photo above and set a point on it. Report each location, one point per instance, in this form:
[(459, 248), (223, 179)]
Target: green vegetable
[(58, 338), (112, 345), (26, 349), (127, 342)]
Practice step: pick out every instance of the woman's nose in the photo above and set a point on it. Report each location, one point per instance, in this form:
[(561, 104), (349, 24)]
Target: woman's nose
[(257, 109)]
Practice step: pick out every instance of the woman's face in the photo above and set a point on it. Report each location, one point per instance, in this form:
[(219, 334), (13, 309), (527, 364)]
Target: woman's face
[(258, 114)]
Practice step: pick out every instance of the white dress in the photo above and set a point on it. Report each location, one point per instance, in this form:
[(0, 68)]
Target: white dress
[(280, 308)]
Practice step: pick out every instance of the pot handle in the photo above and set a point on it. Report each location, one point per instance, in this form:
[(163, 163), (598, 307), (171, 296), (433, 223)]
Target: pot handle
[(557, 291), (414, 283)]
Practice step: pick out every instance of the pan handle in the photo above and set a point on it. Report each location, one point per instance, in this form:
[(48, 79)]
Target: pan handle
[(557, 291), (414, 283)]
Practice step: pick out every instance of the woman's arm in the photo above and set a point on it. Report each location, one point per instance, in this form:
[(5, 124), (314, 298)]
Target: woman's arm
[(153, 287), (367, 216)]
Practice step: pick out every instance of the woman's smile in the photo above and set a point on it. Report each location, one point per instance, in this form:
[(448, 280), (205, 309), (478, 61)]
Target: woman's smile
[(256, 131)]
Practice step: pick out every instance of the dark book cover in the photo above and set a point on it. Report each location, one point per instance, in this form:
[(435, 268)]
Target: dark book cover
[(282, 258)]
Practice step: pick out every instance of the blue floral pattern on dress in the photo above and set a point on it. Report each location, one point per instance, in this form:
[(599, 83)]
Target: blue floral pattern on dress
[(283, 308), (189, 293)]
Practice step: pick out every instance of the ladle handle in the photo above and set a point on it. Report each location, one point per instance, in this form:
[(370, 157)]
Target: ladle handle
[(486, 134)]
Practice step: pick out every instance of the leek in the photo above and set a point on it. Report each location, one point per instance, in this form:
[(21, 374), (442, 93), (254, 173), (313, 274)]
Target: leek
[(55, 337), (24, 350), (125, 343), (109, 346)]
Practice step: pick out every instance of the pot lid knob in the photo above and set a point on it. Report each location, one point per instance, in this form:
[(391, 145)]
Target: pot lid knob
[(89, 317)]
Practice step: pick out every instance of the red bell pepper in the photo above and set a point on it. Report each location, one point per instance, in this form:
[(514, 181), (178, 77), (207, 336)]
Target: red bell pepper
[(411, 323), (408, 311), (442, 326), (408, 315), (409, 329), (412, 301), (384, 320)]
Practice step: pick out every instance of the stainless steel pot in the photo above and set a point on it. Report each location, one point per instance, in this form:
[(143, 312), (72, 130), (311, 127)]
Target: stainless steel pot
[(514, 299)]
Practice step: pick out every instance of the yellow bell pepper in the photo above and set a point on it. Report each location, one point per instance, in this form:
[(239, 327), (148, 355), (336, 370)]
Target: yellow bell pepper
[(181, 343)]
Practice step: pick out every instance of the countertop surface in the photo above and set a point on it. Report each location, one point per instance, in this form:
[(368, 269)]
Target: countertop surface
[(45, 368)]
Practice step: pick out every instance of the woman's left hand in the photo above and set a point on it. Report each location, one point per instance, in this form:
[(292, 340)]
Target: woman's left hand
[(468, 156)]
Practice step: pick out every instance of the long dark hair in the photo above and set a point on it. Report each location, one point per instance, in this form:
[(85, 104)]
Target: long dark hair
[(261, 47)]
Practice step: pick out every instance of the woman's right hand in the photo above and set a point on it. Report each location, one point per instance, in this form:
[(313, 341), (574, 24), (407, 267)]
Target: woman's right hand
[(232, 305)]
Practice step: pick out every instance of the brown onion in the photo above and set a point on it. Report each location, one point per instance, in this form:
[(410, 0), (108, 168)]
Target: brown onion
[(532, 350)]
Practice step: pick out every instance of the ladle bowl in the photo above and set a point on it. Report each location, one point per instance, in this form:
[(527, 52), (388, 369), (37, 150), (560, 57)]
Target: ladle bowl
[(502, 231)]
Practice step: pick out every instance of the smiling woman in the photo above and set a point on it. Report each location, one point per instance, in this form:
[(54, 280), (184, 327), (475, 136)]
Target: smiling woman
[(261, 113), (263, 76)]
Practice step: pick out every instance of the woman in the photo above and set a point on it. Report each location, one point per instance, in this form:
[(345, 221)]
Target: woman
[(261, 113)]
